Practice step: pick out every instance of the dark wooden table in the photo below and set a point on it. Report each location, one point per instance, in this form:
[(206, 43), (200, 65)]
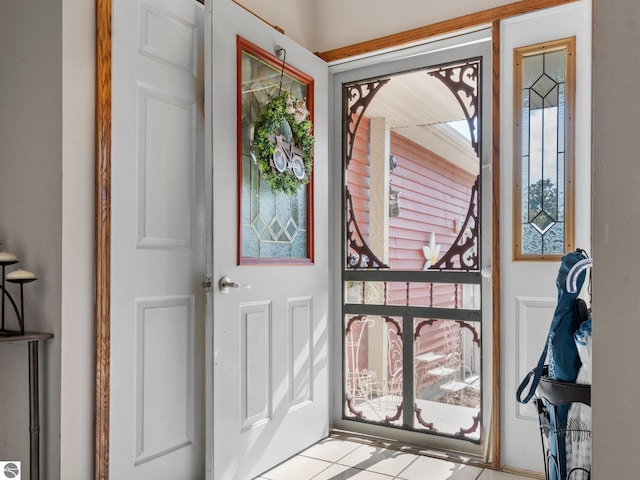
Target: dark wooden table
[(32, 339)]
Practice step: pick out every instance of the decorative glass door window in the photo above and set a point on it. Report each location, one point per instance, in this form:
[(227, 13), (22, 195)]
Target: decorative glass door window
[(411, 265), (543, 186), (274, 227)]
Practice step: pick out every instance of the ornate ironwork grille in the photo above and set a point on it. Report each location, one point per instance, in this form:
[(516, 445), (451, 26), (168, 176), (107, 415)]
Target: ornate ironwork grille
[(412, 317)]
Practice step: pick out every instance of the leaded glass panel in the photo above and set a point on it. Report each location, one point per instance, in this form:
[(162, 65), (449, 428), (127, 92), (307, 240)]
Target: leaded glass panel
[(274, 226), (543, 201)]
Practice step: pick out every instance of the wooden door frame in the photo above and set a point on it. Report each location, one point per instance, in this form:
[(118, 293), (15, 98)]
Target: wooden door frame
[(103, 101), (103, 238)]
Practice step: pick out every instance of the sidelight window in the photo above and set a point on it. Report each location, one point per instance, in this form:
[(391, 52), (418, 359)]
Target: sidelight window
[(543, 191)]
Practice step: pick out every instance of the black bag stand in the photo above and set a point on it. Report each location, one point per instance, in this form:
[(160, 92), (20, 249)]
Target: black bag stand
[(550, 396)]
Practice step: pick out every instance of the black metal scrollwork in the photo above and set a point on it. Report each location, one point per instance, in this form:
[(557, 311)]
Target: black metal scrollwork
[(359, 254), (419, 326), (464, 253), (423, 422), (473, 330), (358, 98), (463, 432), (462, 80)]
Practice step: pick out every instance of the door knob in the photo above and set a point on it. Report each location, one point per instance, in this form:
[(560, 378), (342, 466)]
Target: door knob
[(225, 284)]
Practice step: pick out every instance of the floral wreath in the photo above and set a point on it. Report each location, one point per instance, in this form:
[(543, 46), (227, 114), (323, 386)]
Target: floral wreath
[(283, 144)]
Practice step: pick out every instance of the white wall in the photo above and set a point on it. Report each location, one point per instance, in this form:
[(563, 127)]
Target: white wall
[(296, 17), (321, 25), (616, 229), (30, 212), (340, 23), (46, 218), (77, 339)]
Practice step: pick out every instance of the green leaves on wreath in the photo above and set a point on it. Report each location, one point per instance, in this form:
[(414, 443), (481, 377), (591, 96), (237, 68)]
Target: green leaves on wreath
[(274, 120)]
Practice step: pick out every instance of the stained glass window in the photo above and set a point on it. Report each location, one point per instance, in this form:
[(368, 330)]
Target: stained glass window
[(543, 203), (274, 227)]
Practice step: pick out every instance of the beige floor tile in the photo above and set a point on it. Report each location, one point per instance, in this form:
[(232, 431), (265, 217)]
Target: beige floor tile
[(379, 460), (493, 475), (356, 461), (344, 472), (330, 449), (297, 468), (426, 468)]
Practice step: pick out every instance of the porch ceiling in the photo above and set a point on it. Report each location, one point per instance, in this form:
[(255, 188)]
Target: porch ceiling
[(420, 108)]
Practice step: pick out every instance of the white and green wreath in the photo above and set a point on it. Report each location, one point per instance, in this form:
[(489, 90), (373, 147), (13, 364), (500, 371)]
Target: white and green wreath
[(283, 144)]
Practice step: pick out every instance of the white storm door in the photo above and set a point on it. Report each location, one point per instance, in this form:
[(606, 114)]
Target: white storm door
[(528, 291), (269, 369), (157, 263)]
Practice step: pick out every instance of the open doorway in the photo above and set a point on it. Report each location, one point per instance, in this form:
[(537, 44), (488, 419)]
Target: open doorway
[(416, 309)]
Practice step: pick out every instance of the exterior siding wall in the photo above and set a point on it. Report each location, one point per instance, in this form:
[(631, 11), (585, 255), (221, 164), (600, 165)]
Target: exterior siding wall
[(434, 195), (359, 177)]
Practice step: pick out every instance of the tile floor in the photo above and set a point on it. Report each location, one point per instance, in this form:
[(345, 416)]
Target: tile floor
[(342, 459)]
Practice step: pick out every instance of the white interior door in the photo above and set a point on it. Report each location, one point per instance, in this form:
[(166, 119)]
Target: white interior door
[(269, 362), (157, 302), (528, 292)]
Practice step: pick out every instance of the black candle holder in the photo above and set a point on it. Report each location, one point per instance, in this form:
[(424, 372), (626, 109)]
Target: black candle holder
[(19, 277)]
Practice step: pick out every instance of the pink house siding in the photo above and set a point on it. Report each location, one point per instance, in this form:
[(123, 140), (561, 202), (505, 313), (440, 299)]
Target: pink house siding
[(434, 197), (358, 177)]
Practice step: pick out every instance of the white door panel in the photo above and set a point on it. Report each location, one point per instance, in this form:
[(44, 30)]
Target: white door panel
[(269, 368), (157, 304), (528, 292)]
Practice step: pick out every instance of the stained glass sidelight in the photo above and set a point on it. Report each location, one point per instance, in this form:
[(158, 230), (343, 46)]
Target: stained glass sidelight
[(544, 113)]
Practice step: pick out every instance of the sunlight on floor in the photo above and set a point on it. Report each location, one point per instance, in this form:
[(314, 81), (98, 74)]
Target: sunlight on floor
[(338, 459)]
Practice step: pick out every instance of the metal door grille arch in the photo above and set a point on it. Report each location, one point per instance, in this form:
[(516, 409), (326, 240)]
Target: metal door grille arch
[(463, 80)]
